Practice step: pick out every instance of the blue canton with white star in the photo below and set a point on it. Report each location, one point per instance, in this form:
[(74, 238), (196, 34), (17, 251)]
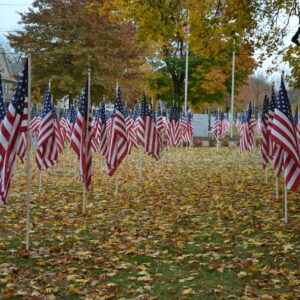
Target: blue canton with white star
[(47, 103), (21, 92), (283, 103), (144, 108), (2, 104)]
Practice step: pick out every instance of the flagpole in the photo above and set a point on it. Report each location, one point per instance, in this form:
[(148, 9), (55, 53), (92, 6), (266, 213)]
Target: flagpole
[(285, 206), (116, 191), (266, 174), (276, 186), (218, 142), (232, 88), (86, 140), (141, 162), (28, 165)]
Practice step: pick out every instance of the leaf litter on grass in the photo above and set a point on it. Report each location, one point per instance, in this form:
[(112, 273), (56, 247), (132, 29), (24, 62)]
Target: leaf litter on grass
[(202, 225)]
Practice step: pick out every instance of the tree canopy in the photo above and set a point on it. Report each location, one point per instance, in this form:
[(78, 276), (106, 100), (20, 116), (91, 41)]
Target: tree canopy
[(66, 39)]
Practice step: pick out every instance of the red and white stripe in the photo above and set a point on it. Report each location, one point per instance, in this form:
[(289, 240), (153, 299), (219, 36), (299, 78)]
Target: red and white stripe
[(118, 143)]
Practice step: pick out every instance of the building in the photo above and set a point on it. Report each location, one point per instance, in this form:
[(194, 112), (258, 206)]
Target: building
[(10, 73)]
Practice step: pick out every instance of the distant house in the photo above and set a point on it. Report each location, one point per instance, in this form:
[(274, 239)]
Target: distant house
[(10, 73)]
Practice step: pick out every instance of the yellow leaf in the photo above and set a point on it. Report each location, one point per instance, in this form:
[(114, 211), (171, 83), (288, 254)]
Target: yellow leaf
[(280, 235), (188, 292)]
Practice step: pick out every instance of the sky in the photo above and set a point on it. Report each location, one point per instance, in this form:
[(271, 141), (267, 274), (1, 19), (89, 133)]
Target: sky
[(9, 21)]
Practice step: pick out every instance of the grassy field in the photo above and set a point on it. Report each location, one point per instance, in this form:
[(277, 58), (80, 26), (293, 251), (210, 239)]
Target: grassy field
[(202, 224)]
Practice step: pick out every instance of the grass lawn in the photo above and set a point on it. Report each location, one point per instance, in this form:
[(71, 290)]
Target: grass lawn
[(202, 224)]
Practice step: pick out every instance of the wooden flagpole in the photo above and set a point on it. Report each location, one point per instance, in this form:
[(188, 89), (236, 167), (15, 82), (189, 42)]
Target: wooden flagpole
[(86, 140), (285, 205), (141, 162), (266, 174), (276, 187), (28, 165), (218, 142), (116, 175)]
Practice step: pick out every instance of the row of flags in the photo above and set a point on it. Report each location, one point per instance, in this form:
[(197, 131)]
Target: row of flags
[(112, 136), (280, 138)]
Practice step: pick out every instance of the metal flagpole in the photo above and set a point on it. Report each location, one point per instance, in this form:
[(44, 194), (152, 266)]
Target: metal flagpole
[(28, 165), (86, 139), (232, 89), (285, 205), (266, 174), (186, 71), (276, 186)]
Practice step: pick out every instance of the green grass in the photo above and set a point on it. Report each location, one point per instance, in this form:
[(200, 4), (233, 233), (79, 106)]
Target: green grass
[(203, 226)]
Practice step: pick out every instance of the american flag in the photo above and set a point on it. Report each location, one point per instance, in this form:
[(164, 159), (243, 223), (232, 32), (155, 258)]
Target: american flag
[(190, 126), (243, 137), (81, 139), (226, 125), (132, 141), (96, 132), (247, 131), (118, 141), (183, 128), (283, 134), (271, 146), (72, 114), (275, 152), (10, 132), (2, 104), (47, 153), (152, 140), (264, 148), (297, 125), (140, 126), (172, 128), (58, 136), (64, 125), (160, 124), (109, 124), (103, 132), (217, 129)]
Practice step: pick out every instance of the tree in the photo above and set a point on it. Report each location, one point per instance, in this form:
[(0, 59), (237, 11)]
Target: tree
[(162, 23), (67, 38)]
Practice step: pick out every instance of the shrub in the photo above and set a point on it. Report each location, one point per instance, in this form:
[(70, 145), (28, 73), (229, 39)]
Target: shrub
[(198, 143), (212, 143), (225, 143)]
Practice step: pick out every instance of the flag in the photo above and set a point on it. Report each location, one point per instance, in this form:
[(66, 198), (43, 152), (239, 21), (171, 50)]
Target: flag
[(140, 126), (118, 140), (47, 152), (217, 129), (160, 121), (58, 136), (183, 127), (81, 139), (283, 134), (2, 104), (243, 140), (264, 147), (226, 125), (103, 132), (10, 132), (72, 114), (64, 125), (132, 141), (247, 131), (297, 125), (172, 128), (152, 140), (271, 146)]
